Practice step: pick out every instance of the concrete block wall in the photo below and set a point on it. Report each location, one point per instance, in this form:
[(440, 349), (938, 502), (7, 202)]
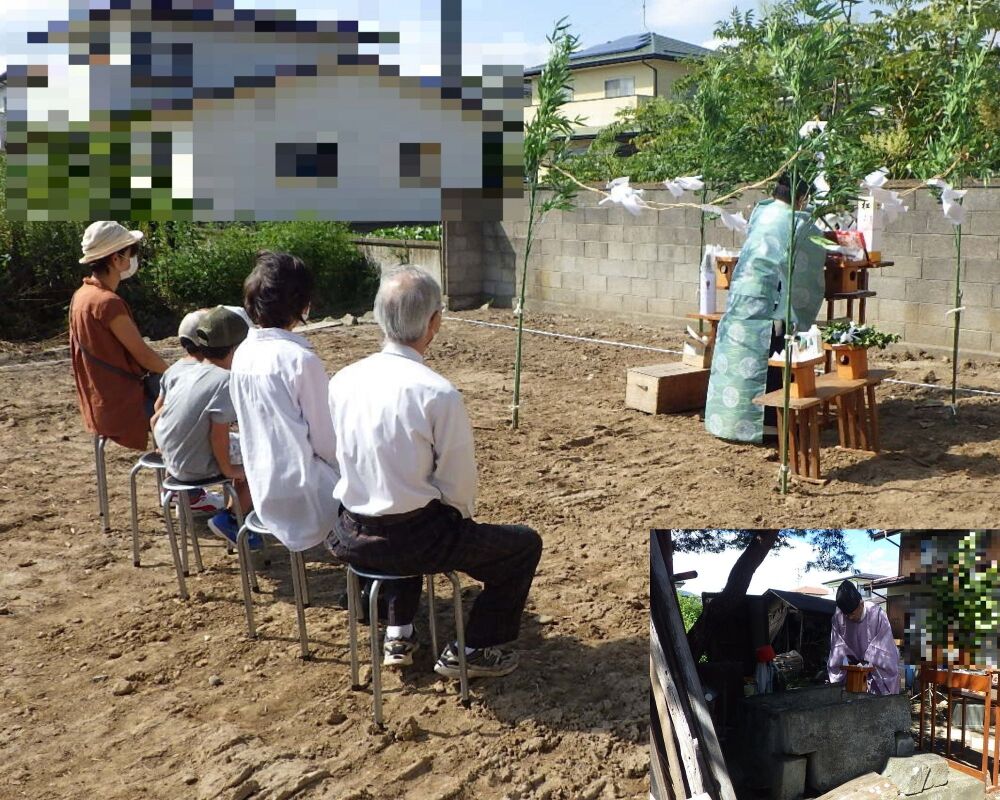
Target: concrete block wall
[(389, 253), (915, 295), (602, 260)]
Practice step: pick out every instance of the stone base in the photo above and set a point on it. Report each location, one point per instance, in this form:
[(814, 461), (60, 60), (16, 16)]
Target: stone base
[(788, 778), (867, 787), (927, 776)]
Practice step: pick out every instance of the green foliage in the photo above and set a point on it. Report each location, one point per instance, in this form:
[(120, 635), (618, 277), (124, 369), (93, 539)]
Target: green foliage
[(546, 143), (919, 71), (690, 609), (184, 265), (413, 233), (966, 603), (547, 136), (58, 172), (847, 333), (207, 265)]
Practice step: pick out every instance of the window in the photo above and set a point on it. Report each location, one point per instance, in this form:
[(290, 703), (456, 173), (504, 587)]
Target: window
[(619, 87), (318, 160), (420, 165), (568, 93)]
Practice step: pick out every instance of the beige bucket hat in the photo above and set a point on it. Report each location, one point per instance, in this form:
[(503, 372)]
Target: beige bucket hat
[(104, 238)]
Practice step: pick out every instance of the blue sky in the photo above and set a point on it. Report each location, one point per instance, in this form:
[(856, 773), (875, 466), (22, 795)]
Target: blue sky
[(785, 569), (512, 30)]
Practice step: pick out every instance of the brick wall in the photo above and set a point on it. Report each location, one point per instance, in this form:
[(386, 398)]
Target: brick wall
[(600, 259)]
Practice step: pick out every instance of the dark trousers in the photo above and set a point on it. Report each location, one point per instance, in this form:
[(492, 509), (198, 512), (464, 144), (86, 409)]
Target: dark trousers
[(438, 539), (775, 375)]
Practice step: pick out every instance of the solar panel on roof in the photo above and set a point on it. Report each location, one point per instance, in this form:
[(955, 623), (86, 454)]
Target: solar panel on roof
[(624, 45)]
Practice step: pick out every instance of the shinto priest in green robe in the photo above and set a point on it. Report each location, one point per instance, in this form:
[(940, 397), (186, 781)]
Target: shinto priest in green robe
[(757, 296)]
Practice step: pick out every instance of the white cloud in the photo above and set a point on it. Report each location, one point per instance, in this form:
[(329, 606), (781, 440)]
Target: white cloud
[(679, 20), (715, 42), (511, 50), (782, 569)]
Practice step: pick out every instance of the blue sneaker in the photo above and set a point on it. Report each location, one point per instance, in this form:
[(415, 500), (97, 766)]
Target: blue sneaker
[(224, 526)]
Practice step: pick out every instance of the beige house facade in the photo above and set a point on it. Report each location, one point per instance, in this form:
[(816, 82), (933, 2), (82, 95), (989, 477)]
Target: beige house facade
[(624, 73)]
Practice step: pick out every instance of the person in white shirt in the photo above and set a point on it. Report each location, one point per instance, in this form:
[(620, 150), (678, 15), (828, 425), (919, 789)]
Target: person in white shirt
[(408, 486), (278, 385)]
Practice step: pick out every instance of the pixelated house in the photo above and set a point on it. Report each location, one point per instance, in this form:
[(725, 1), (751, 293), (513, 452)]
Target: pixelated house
[(256, 114), (924, 557)]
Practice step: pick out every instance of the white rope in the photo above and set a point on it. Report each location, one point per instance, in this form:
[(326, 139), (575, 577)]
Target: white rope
[(566, 336), (982, 392), (958, 310), (943, 388)]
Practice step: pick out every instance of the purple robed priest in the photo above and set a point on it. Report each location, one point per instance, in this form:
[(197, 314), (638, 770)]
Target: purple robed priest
[(867, 639)]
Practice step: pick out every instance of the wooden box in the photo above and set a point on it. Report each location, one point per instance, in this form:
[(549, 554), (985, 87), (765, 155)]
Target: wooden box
[(852, 362), (666, 388), (803, 377), (724, 266), (842, 278), (857, 678), (698, 355)]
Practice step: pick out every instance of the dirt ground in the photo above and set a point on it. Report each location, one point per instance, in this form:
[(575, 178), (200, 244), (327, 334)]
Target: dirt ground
[(105, 684)]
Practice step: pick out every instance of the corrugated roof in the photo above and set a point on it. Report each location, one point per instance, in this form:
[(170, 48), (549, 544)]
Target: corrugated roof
[(631, 48), (862, 576), (804, 602)]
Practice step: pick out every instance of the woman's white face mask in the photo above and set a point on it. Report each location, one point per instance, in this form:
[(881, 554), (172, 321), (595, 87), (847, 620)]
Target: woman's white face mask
[(133, 267)]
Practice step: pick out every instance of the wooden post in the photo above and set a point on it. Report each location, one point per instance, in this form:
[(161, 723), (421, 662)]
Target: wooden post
[(666, 618), (686, 738)]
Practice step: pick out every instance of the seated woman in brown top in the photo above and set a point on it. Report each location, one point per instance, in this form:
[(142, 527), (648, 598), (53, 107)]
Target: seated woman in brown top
[(109, 354)]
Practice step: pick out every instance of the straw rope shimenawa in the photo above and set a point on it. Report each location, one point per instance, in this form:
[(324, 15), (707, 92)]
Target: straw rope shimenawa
[(655, 206)]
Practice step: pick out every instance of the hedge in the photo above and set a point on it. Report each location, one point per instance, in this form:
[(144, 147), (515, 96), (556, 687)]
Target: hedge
[(184, 266)]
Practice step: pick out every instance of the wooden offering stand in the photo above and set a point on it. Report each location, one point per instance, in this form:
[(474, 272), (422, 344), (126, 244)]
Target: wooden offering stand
[(802, 377), (857, 418), (724, 266), (857, 678), (848, 281), (852, 362)]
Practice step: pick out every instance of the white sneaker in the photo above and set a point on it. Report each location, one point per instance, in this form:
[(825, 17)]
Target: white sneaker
[(202, 502), (208, 503)]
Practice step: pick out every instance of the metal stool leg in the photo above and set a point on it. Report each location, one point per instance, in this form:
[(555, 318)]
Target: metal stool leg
[(135, 512), (189, 525), (373, 591), (102, 481), (172, 538), (300, 610), (353, 597), (432, 622), (303, 583), (460, 636), (243, 551), (182, 523), (229, 491)]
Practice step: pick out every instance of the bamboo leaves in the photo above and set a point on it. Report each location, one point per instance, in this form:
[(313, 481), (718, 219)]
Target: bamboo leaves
[(546, 140)]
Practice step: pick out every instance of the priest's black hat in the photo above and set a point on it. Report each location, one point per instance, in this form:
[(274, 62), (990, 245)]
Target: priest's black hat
[(848, 597)]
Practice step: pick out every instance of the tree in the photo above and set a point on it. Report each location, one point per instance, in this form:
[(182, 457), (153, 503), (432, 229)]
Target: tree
[(829, 548), (963, 619), (690, 606), (546, 139)]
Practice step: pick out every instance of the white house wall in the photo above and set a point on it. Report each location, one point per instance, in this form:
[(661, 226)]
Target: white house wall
[(234, 149)]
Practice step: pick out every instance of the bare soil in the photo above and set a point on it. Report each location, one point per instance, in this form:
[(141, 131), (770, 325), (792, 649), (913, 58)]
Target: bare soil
[(105, 684)]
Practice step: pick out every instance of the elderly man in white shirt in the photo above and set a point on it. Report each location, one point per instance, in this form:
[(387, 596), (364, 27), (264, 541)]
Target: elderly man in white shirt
[(408, 486), (278, 385)]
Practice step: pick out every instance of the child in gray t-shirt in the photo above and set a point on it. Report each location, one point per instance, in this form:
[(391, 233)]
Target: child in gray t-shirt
[(192, 426)]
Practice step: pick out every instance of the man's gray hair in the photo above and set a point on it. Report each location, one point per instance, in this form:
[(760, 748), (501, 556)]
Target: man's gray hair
[(407, 299)]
